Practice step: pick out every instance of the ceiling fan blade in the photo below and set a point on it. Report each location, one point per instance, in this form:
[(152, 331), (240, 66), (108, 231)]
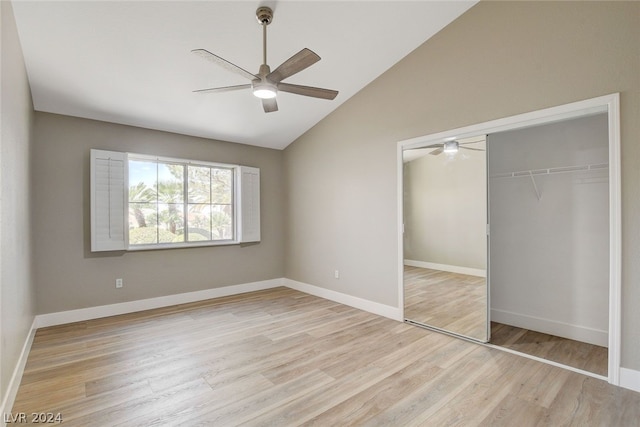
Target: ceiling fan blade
[(270, 105), (298, 62), (436, 152), (434, 146), (223, 89), (315, 92), (474, 149), (205, 54)]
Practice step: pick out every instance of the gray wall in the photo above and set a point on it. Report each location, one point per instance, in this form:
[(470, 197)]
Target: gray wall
[(445, 209), (498, 59), (17, 307), (550, 256), (69, 276)]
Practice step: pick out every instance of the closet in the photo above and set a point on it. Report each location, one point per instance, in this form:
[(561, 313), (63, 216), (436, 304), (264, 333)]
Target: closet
[(549, 230), (551, 267)]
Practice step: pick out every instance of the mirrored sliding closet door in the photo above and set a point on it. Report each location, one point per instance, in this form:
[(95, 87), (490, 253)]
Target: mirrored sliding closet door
[(445, 236)]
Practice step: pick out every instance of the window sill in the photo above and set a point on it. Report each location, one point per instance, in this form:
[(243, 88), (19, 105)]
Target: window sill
[(155, 247)]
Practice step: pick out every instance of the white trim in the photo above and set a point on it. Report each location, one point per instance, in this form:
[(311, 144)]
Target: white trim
[(445, 267), (16, 377), (615, 241), (547, 361), (79, 315), (630, 379), (551, 327), (607, 103), (196, 244), (520, 121), (360, 303), (82, 314), (177, 160), (400, 226)]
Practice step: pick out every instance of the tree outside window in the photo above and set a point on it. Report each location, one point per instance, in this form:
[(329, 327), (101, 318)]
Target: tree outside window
[(179, 202)]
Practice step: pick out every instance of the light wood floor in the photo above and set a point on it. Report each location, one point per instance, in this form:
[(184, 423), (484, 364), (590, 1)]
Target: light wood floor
[(577, 354), (280, 357), (457, 303), (450, 301)]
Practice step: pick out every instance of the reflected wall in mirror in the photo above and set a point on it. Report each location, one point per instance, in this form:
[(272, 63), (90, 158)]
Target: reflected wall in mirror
[(445, 242)]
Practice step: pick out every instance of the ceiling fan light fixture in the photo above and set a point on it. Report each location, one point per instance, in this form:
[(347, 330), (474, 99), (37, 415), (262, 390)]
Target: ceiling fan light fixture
[(266, 84), (264, 90), (450, 146)]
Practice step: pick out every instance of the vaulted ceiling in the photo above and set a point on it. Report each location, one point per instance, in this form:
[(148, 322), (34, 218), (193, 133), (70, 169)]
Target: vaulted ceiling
[(130, 62)]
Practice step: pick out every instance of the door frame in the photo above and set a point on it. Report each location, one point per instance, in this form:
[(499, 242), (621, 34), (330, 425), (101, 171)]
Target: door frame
[(607, 103)]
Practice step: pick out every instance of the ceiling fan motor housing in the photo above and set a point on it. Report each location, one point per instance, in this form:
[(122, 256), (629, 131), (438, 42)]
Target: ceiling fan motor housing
[(264, 70), (263, 88)]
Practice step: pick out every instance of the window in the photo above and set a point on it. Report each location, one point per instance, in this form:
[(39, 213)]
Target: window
[(173, 202), (170, 202)]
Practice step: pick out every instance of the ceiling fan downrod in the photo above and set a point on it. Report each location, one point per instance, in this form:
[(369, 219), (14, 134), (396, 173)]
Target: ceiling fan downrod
[(264, 15)]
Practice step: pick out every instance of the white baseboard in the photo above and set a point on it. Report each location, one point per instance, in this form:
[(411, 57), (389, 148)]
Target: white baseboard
[(384, 310), (552, 327), (630, 379), (16, 377), (444, 267), (79, 315)]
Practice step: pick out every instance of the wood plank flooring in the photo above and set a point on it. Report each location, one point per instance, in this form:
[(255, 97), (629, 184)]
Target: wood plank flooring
[(450, 301), (284, 358), (587, 357), (457, 303)]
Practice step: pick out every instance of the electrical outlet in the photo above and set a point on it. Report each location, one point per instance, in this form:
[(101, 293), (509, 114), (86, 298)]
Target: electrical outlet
[(118, 283), (336, 274)]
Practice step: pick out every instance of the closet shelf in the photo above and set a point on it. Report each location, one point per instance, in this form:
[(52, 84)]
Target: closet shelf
[(550, 171)]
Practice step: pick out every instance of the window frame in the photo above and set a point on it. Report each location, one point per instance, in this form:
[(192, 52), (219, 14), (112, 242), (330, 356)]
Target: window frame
[(235, 198)]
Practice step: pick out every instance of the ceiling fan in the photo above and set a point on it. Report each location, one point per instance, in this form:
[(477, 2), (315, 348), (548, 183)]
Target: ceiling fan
[(451, 147), (267, 83)]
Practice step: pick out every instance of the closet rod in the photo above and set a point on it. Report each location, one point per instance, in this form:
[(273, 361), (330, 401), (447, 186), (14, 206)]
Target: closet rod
[(550, 171)]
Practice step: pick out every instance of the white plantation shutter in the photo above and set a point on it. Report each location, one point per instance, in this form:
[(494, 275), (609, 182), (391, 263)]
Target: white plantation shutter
[(108, 200), (249, 206)]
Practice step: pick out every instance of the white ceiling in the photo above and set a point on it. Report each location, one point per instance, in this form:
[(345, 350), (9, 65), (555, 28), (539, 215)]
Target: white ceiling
[(129, 62)]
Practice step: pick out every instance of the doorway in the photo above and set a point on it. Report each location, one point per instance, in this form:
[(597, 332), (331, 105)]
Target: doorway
[(585, 174)]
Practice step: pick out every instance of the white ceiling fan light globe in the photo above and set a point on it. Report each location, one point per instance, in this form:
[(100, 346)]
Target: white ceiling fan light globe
[(451, 147), (264, 93), (264, 90)]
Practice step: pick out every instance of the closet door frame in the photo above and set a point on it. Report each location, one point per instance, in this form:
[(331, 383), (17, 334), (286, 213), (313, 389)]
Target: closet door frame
[(609, 104)]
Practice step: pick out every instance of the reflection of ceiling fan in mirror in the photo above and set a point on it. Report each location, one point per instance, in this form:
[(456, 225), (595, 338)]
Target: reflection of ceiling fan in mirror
[(452, 146), (266, 84)]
